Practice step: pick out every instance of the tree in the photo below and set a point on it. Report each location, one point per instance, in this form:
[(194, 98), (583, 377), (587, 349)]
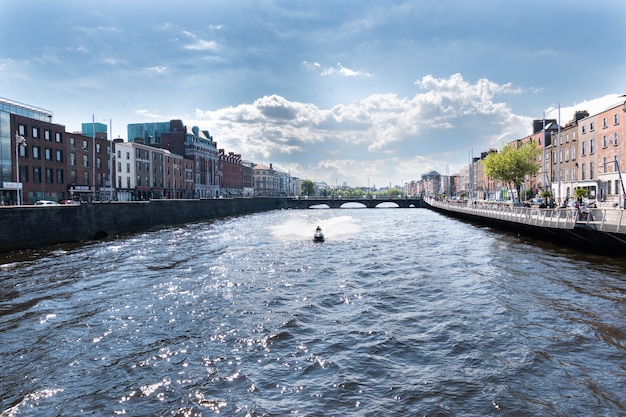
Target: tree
[(511, 165), (580, 192), (308, 187)]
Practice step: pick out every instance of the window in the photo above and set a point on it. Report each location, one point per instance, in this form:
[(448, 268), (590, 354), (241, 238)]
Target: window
[(573, 153), (127, 182), (23, 151), (59, 155), (74, 176), (98, 148), (616, 186), (591, 166), (49, 176), (583, 130), (46, 135), (85, 146), (573, 135), (138, 180), (57, 137), (99, 163), (86, 177), (85, 161), (37, 174), (591, 146), (128, 168), (36, 132), (605, 123), (72, 143), (605, 168), (23, 173), (138, 154), (615, 119), (138, 166), (604, 141), (21, 130), (567, 138), (582, 172), (615, 139), (582, 148), (608, 187), (48, 153), (566, 154), (36, 154), (72, 159), (127, 155), (591, 127), (59, 176)]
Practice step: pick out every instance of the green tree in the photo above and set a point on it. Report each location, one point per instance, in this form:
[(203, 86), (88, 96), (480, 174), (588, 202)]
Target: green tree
[(308, 187), (579, 193), (511, 165)]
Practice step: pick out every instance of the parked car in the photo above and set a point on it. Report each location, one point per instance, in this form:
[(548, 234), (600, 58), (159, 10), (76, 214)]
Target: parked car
[(46, 203), (70, 203)]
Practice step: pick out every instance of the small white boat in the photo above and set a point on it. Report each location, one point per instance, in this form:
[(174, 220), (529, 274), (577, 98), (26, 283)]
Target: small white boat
[(319, 235)]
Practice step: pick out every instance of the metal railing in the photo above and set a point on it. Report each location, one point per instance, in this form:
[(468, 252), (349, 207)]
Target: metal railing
[(600, 219)]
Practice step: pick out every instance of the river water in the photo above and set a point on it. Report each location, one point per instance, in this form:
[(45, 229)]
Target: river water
[(400, 312)]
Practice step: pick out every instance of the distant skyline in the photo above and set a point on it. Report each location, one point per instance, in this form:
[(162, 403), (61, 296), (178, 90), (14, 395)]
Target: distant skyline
[(356, 92)]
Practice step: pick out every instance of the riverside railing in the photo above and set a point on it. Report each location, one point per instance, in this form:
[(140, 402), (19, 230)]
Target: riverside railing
[(601, 219)]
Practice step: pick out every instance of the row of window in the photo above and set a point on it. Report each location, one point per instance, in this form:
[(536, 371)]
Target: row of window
[(583, 148), (36, 133), (583, 171), (605, 124), (50, 175)]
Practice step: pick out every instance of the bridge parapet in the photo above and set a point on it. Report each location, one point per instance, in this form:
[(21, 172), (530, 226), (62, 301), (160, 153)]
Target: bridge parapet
[(304, 203)]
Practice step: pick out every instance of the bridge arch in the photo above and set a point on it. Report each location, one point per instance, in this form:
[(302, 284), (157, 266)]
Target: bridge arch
[(319, 202)]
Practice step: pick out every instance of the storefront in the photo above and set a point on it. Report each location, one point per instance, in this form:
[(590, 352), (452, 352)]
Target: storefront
[(9, 193), (80, 192)]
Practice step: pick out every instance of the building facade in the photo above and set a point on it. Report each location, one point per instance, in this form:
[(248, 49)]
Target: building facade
[(231, 174), (88, 166), (144, 172)]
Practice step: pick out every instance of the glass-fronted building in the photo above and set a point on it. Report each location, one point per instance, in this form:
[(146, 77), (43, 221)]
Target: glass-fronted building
[(9, 183), (147, 133)]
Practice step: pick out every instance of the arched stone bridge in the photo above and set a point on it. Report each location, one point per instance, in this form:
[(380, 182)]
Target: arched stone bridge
[(304, 203)]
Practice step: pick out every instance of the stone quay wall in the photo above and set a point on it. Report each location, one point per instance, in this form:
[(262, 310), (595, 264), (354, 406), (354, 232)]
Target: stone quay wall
[(28, 227)]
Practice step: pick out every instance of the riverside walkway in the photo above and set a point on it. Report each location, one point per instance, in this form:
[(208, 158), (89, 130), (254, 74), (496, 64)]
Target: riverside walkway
[(600, 230)]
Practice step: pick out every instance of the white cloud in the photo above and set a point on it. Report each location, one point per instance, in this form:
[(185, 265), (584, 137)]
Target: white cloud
[(343, 71), (157, 70), (202, 45), (199, 44), (380, 135), (593, 106)]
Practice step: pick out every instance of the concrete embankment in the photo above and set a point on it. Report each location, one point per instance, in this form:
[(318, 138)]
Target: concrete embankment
[(29, 227), (602, 232)]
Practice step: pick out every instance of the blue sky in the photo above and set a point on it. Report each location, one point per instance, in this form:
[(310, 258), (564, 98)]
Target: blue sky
[(362, 92)]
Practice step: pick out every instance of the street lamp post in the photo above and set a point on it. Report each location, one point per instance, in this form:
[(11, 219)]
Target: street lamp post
[(19, 140)]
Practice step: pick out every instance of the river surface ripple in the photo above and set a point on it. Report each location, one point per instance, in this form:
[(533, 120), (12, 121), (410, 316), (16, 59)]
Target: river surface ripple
[(400, 312)]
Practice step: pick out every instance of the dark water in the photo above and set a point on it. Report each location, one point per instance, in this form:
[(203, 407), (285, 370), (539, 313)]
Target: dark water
[(400, 312)]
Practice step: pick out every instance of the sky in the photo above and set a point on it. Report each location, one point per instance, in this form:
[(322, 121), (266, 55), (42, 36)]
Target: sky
[(356, 92)]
